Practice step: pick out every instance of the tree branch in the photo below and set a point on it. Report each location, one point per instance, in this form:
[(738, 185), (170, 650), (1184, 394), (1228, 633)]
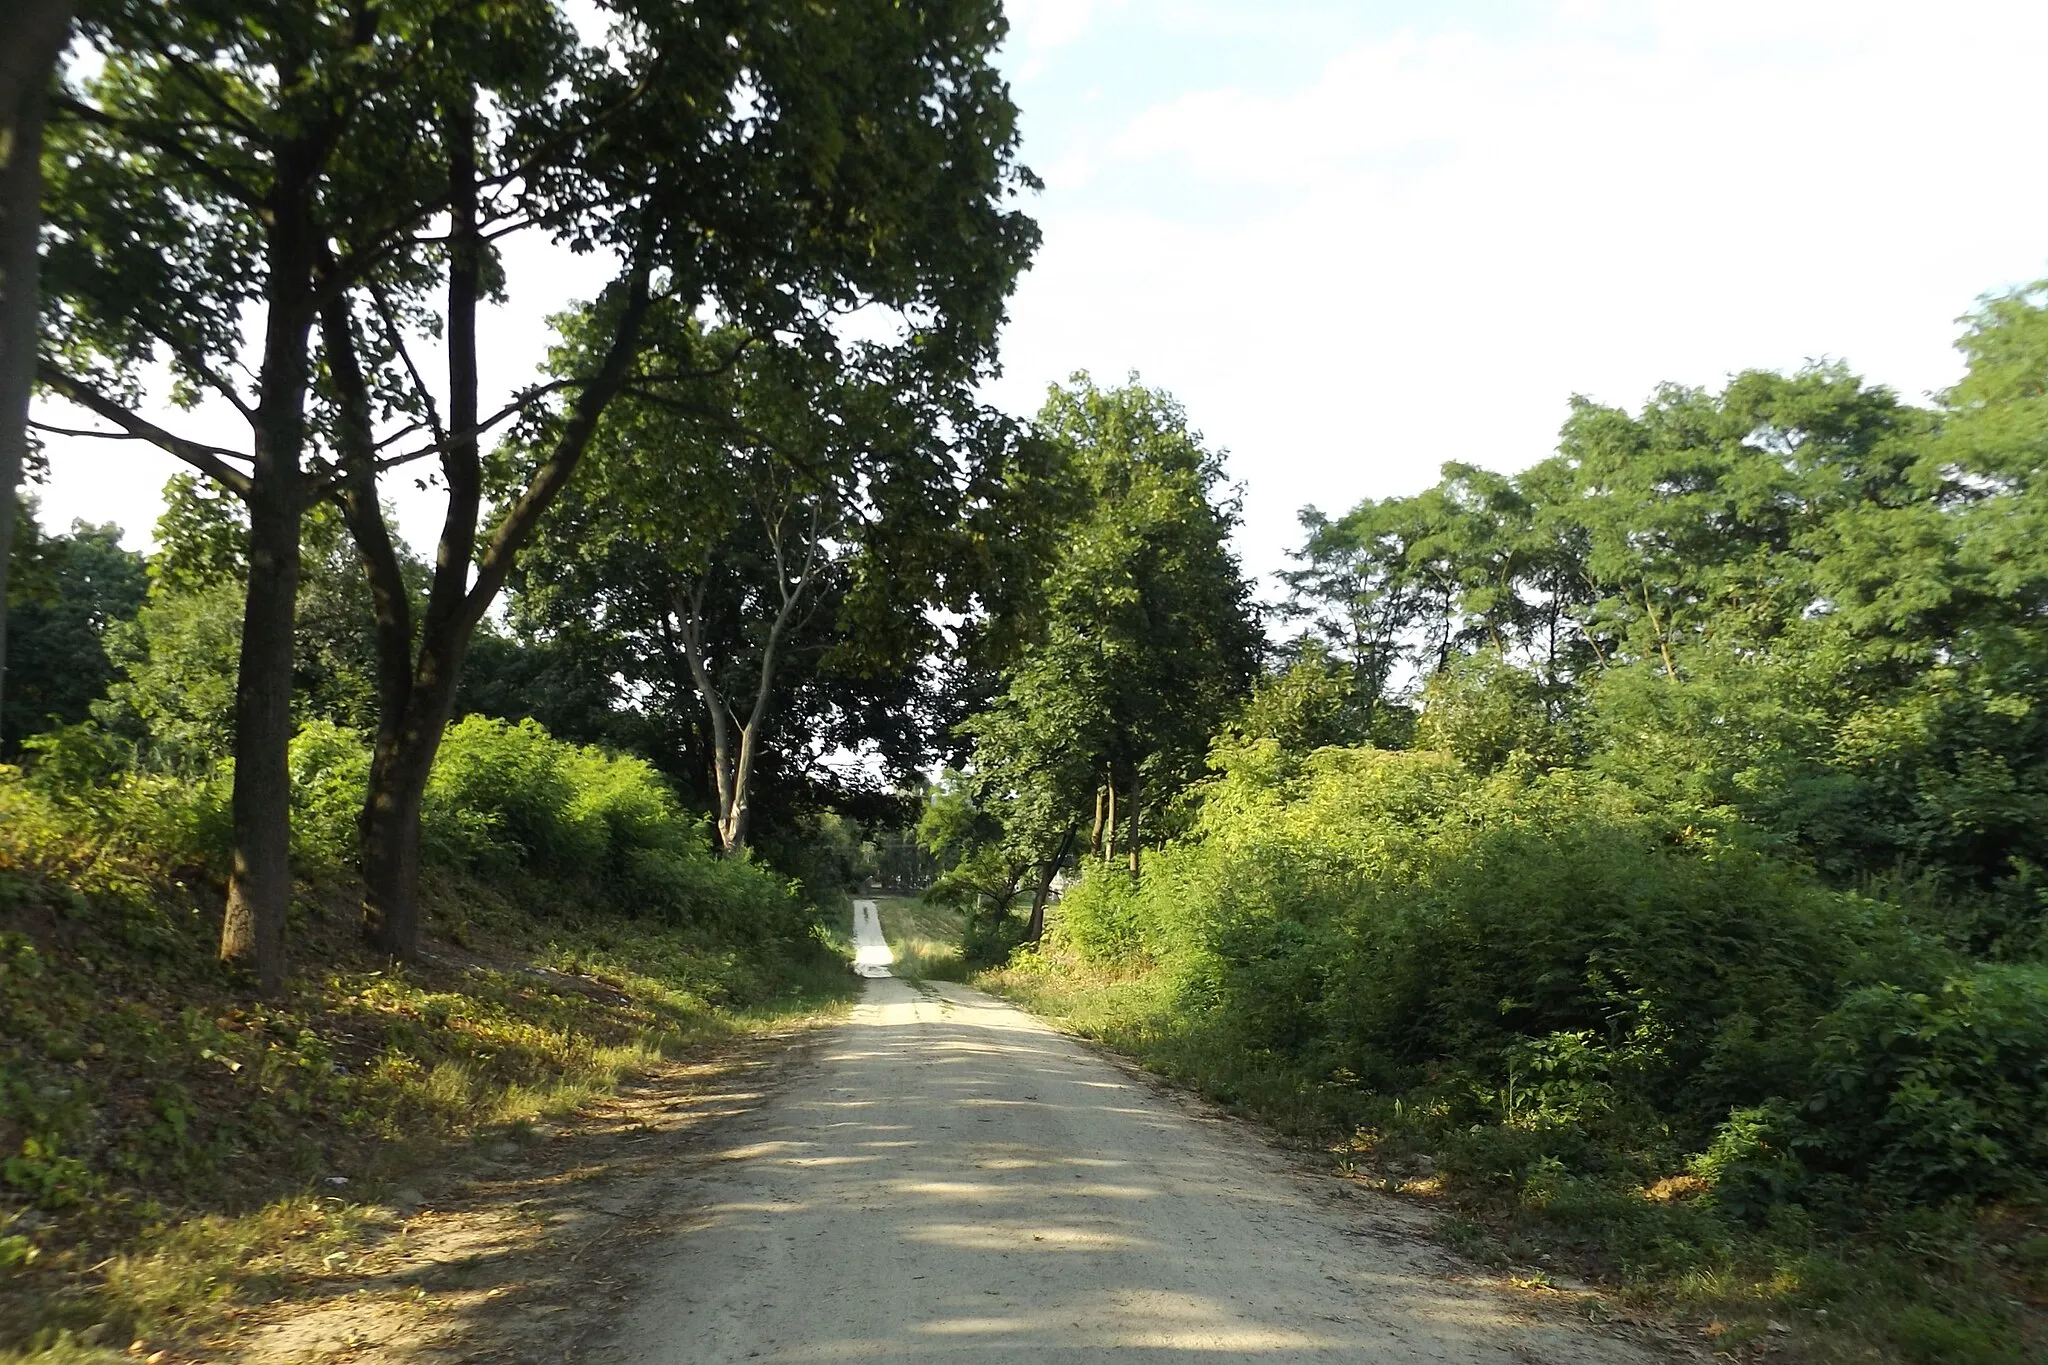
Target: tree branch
[(391, 607), (548, 481), (208, 460), (156, 136)]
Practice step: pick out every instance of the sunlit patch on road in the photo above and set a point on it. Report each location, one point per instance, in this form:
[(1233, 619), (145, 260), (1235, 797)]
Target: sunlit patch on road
[(872, 955)]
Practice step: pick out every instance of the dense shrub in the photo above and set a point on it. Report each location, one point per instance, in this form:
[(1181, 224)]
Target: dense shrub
[(79, 803), (508, 798), (505, 800), (1564, 978), (329, 767), (1937, 1093)]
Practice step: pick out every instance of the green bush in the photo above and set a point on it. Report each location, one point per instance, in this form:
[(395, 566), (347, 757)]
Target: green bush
[(1563, 977), (508, 798), (502, 798), (1937, 1094), (330, 766), (76, 807)]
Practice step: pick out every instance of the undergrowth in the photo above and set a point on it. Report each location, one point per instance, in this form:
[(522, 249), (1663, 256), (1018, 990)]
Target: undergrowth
[(925, 936), (1652, 1050), (1949, 1285), (178, 1151)]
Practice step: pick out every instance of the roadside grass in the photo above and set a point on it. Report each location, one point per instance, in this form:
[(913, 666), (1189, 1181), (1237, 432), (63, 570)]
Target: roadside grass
[(924, 937), (1931, 1286), (178, 1152)]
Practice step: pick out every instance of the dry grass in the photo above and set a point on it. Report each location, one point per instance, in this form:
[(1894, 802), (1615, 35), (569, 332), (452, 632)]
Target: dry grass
[(182, 1155), (924, 937)]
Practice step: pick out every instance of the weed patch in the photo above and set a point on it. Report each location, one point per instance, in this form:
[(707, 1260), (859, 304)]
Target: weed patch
[(1929, 1285), (178, 1151)]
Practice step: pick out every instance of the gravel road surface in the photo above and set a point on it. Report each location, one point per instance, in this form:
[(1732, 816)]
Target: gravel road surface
[(951, 1180)]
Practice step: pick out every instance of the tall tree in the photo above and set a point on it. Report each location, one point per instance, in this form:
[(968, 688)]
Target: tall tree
[(781, 167), (1146, 640), (762, 548), (31, 38), (68, 591), (227, 172)]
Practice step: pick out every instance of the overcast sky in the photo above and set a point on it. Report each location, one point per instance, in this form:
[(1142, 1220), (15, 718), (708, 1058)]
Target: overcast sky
[(1358, 240)]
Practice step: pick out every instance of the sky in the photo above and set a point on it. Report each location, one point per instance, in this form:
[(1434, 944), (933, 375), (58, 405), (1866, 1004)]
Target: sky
[(1358, 240)]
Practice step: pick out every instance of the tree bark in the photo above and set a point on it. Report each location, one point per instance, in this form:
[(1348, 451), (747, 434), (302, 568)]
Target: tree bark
[(388, 829), (1034, 929), (409, 733), (260, 883), (37, 32), (1109, 825)]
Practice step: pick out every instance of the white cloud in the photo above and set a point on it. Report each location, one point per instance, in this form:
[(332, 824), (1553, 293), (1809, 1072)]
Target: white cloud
[(1423, 248), (1038, 27)]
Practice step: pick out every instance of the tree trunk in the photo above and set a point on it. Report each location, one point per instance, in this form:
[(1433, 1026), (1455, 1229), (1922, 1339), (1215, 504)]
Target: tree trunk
[(413, 714), (1109, 826), (37, 34), (1034, 930), (735, 763), (388, 828), (399, 771), (732, 825), (409, 733), (391, 849), (1137, 806), (260, 884), (1095, 833)]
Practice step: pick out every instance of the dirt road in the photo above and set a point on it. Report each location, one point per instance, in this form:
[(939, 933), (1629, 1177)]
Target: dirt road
[(950, 1179)]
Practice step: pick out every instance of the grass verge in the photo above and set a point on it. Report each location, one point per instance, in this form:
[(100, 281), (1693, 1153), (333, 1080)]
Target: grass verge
[(924, 937), (1932, 1286), (179, 1153)]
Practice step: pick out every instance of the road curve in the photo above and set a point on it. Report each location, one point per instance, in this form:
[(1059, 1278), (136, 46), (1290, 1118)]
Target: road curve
[(951, 1180)]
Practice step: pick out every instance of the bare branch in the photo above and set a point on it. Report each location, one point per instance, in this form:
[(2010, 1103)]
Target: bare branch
[(397, 339), (207, 459)]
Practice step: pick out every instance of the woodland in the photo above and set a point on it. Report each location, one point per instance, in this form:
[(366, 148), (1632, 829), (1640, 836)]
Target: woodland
[(1644, 854)]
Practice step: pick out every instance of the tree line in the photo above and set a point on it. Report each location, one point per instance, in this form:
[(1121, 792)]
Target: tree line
[(1797, 601), (1646, 846), (298, 211)]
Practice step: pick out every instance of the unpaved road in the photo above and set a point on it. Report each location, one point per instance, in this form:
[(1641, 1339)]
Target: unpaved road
[(950, 1179), (871, 952)]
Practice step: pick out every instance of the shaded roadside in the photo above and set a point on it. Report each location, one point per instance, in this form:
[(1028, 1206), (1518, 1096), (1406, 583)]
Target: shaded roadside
[(525, 1246)]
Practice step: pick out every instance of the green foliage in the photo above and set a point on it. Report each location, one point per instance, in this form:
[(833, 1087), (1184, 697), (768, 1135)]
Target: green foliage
[(175, 699), (1141, 639), (1797, 601), (65, 593), (763, 552), (981, 871), (1700, 932), (1538, 949), (1311, 704), (329, 767), (508, 800), (1936, 1093), (173, 694), (1485, 711), (170, 1135)]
